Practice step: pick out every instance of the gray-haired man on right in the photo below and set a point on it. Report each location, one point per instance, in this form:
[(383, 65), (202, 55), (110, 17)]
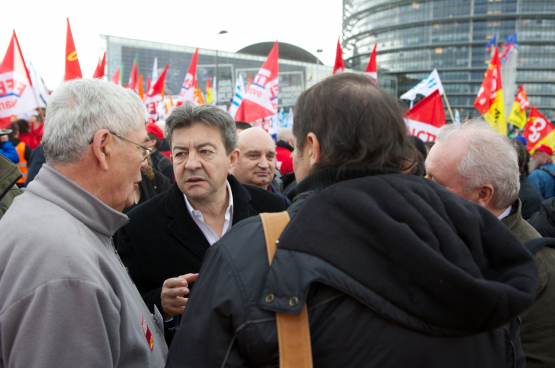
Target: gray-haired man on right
[(475, 162)]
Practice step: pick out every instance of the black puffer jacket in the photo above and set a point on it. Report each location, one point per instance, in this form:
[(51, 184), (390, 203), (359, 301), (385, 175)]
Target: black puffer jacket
[(396, 272), (544, 220)]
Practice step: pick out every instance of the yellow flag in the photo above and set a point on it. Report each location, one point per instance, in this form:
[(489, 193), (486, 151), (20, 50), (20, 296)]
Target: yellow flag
[(209, 93), (496, 113), (517, 117)]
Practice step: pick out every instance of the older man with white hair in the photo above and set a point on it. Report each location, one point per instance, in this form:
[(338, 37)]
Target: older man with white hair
[(67, 299), (476, 163)]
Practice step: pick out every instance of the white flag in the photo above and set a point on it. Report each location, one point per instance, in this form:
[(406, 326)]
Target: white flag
[(457, 117), (427, 86), (154, 76), (40, 89), (290, 119), (237, 97), (282, 120), (215, 92)]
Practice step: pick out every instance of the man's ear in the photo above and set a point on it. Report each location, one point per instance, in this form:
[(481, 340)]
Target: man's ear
[(233, 158), (484, 195), (102, 147), (313, 147)]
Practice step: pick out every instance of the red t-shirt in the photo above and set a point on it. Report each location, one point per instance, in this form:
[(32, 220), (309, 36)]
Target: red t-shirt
[(284, 160)]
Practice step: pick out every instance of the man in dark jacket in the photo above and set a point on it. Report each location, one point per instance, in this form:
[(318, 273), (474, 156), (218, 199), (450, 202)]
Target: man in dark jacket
[(169, 235), (396, 271)]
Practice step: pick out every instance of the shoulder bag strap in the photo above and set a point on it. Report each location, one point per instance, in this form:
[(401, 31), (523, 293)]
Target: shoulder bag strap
[(548, 171), (295, 350)]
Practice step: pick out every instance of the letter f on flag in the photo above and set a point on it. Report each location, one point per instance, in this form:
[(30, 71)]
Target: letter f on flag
[(73, 69)]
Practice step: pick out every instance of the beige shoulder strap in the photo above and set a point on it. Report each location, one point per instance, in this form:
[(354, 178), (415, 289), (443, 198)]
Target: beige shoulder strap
[(295, 350)]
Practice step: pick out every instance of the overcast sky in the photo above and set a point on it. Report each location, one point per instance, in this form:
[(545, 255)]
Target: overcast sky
[(41, 27)]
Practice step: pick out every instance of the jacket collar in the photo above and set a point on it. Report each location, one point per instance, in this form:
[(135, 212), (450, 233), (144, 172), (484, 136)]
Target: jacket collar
[(323, 178), (284, 144), (79, 203), (184, 228), (512, 220)]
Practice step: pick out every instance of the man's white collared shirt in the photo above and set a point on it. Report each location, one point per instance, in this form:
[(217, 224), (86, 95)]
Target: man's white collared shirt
[(209, 234)]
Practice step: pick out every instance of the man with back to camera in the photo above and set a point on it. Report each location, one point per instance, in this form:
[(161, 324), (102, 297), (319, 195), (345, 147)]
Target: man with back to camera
[(395, 270), (283, 150), (169, 235), (67, 299)]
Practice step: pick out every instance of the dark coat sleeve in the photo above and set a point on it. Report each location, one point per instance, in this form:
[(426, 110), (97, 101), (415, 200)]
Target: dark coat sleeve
[(134, 268), (37, 159), (212, 315), (166, 167)]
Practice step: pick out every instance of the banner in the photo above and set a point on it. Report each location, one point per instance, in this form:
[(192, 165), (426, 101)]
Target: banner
[(154, 96), (73, 69), (99, 71), (237, 97), (187, 92), (16, 89), (339, 66), (426, 117), (539, 130), (372, 69), (261, 99), (517, 117), (41, 92), (425, 87), (490, 96)]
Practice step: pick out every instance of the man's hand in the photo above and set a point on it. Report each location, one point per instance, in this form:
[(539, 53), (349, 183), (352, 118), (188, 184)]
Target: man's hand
[(3, 138), (173, 292)]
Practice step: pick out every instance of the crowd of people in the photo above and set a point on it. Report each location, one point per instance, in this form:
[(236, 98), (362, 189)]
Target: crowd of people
[(134, 244)]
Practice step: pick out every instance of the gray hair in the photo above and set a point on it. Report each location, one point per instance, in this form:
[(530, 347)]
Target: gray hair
[(284, 134), (490, 158), (79, 108), (189, 114)]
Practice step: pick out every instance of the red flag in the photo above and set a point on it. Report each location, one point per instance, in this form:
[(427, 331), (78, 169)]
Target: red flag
[(261, 99), (339, 66), (115, 78), (73, 70), (371, 69), (522, 98), (16, 88), (147, 84), (154, 95), (188, 88), (134, 76), (426, 117), (99, 72), (538, 130)]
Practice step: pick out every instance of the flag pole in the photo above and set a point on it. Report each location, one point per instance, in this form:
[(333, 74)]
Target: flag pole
[(448, 106)]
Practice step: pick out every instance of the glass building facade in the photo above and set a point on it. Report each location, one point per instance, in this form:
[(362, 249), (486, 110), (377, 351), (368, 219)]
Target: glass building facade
[(294, 76), (416, 36)]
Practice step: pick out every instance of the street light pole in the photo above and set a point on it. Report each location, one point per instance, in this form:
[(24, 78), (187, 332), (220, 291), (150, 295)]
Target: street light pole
[(318, 65), (217, 78)]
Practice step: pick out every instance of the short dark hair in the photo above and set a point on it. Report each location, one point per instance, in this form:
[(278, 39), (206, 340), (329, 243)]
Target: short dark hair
[(15, 129), (188, 115), (357, 124), (158, 141), (24, 126), (242, 125), (521, 151)]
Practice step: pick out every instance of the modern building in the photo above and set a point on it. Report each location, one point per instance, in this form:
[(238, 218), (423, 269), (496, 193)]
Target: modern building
[(298, 68), (416, 36)]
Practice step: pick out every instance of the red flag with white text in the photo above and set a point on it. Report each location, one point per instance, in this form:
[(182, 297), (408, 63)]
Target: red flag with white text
[(16, 89), (261, 99), (339, 66), (426, 117), (154, 96), (539, 130), (73, 69), (372, 69), (187, 92)]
